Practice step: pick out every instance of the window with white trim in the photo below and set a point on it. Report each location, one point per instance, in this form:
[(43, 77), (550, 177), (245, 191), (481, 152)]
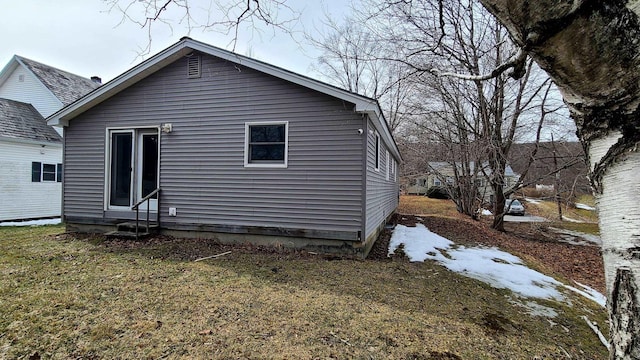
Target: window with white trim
[(41, 172), (266, 144)]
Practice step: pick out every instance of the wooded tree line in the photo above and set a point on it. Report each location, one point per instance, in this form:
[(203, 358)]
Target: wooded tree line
[(475, 85)]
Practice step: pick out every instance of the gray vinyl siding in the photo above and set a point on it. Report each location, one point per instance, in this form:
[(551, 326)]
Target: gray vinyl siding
[(381, 194), (202, 171)]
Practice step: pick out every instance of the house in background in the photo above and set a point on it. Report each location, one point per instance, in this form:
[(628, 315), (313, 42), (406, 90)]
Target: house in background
[(31, 150), (237, 149), (442, 174)]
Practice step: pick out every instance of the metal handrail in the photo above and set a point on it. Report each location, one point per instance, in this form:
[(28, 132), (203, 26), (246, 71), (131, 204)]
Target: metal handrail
[(136, 207)]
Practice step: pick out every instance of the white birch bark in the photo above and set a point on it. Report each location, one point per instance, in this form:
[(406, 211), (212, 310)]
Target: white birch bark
[(619, 213)]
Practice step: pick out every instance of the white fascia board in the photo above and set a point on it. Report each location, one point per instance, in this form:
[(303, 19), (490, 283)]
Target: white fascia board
[(8, 69)]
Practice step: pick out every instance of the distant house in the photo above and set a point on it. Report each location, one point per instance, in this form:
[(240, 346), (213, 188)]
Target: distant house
[(30, 150), (443, 174), (239, 150)]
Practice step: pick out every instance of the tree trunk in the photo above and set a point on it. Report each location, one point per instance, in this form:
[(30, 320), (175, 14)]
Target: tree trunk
[(498, 208), (619, 212), (591, 50)]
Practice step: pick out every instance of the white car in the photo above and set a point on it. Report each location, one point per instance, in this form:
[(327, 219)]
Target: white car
[(514, 207)]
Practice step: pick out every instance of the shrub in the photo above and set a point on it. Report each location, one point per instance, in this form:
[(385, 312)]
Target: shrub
[(437, 192)]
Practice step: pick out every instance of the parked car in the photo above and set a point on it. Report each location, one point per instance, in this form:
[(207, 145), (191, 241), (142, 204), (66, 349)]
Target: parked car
[(514, 207)]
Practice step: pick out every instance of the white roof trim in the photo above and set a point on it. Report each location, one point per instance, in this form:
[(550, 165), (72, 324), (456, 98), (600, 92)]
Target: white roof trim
[(363, 104)]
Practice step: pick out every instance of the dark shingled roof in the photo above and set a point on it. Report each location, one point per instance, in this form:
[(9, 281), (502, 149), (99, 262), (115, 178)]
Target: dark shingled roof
[(22, 121), (67, 87)]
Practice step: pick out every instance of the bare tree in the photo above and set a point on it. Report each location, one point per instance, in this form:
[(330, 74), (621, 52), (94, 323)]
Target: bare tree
[(476, 120), (354, 59)]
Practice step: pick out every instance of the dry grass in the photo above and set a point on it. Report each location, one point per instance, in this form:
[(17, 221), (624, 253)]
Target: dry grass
[(79, 297), (424, 206)]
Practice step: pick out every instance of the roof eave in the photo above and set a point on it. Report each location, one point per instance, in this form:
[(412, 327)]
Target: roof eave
[(362, 104)]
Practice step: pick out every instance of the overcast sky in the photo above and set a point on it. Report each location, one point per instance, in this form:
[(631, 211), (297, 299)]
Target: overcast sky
[(83, 37)]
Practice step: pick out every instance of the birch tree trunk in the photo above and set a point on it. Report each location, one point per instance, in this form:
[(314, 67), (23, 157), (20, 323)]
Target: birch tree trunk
[(592, 51)]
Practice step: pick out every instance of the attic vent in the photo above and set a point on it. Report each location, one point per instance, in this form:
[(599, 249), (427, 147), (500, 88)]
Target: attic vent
[(21, 78), (193, 66)]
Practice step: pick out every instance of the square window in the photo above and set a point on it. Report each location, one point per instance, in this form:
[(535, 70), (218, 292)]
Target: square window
[(48, 172), (266, 144)]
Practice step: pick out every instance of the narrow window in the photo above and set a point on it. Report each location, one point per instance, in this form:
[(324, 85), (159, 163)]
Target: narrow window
[(266, 144), (193, 66), (388, 164), (377, 152), (36, 169), (59, 173)]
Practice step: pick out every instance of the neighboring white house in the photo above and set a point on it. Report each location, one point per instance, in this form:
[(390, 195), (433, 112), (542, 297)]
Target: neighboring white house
[(31, 150)]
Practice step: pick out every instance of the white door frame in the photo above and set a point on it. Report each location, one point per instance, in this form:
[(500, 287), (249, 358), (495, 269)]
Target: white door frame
[(136, 167)]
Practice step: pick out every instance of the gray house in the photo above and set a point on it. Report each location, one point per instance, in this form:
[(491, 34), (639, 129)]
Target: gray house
[(224, 146)]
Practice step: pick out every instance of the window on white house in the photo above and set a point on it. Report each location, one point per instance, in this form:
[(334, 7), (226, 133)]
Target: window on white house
[(377, 151), (437, 182), (266, 144), (41, 172)]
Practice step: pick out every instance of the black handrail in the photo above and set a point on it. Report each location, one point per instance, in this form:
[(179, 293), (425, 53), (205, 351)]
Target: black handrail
[(136, 207)]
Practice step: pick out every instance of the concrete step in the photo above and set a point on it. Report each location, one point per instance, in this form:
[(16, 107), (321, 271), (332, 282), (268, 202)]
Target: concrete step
[(126, 234), (142, 225)]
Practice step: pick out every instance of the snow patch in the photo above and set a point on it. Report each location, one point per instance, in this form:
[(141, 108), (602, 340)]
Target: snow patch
[(533, 201), (486, 212), (32, 222), (577, 237), (491, 265), (585, 207)]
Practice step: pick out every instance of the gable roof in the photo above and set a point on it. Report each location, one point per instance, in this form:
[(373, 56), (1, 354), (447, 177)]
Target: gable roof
[(22, 121), (65, 86), (187, 45)]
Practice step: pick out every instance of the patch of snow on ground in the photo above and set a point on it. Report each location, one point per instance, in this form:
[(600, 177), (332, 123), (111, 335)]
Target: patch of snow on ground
[(533, 201), (536, 309), (32, 222), (486, 212), (571, 220), (589, 293), (576, 237), (495, 267), (585, 207)]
